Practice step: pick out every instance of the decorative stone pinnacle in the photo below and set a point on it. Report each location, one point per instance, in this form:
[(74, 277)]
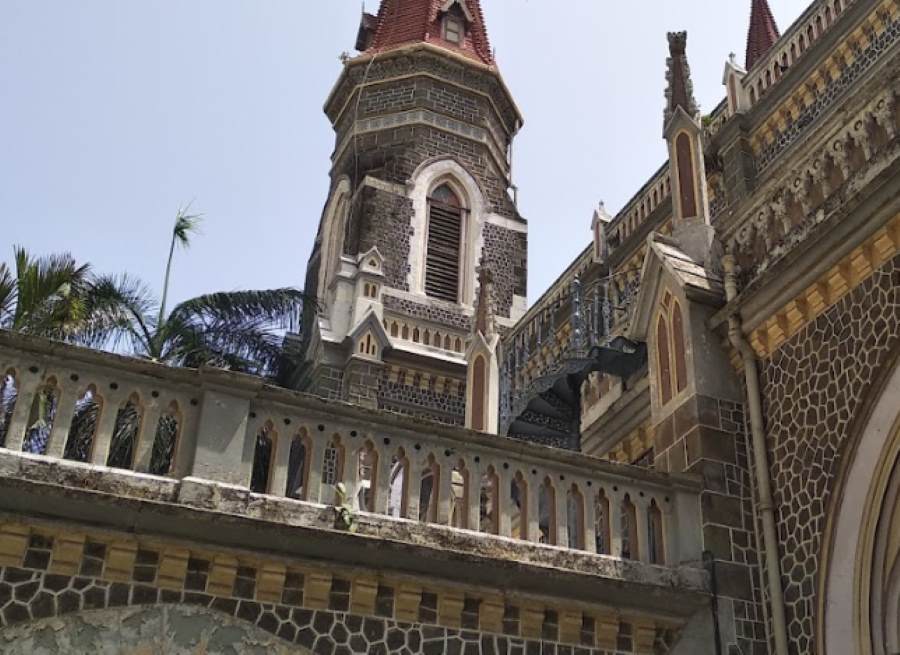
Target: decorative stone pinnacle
[(680, 91), (484, 311)]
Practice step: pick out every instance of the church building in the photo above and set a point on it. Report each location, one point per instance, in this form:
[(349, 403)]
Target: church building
[(689, 444)]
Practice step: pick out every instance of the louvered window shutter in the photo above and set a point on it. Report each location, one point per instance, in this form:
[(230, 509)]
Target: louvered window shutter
[(442, 262)]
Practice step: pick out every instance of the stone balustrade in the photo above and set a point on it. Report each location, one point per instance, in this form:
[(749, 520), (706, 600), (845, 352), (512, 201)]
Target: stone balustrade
[(237, 432), (653, 194)]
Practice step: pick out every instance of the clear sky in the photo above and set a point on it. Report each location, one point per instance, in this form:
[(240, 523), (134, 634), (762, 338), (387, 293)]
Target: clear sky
[(113, 113)]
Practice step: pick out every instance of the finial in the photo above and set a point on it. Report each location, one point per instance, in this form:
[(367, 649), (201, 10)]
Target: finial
[(680, 90)]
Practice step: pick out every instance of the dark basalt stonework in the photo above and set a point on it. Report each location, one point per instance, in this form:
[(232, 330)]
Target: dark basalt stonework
[(506, 257), (459, 75), (384, 221), (814, 387), (434, 403), (27, 596), (433, 311)]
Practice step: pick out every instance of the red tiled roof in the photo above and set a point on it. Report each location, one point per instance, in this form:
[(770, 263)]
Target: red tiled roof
[(401, 22), (763, 32)]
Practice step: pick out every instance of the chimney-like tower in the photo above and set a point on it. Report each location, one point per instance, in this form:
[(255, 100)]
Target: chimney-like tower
[(763, 32), (419, 200)]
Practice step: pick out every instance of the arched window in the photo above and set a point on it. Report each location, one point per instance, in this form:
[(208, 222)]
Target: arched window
[(547, 512), (333, 244), (459, 496), (262, 459), (575, 515), (629, 529), (165, 441), (298, 467), (671, 355), (8, 395), (40, 422), (490, 502), (678, 348), (518, 493), (367, 477), (125, 434), (601, 524), (80, 442), (428, 491), (656, 543), (664, 376), (444, 245), (398, 492), (479, 388), (685, 162)]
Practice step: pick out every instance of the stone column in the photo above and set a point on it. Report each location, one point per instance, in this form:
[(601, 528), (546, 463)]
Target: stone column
[(62, 421), (224, 448)]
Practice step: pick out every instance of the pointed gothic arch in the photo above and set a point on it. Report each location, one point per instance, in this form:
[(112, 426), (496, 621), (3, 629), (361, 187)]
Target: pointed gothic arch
[(431, 176), (859, 585), (333, 235)]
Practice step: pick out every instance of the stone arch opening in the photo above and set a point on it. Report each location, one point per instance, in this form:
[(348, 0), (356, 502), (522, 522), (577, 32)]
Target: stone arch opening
[(430, 176), (163, 628), (859, 606)]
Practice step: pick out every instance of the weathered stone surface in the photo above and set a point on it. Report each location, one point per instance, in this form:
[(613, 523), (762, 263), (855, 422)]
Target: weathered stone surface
[(815, 385)]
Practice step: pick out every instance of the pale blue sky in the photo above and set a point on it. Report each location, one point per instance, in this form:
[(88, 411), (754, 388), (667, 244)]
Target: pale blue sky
[(115, 112)]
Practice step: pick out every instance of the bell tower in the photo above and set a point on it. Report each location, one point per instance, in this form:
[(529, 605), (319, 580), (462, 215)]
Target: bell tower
[(419, 201)]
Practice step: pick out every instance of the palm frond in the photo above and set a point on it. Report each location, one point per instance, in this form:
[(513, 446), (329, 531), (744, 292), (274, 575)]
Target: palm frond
[(119, 308), (280, 308), (8, 289), (240, 330), (186, 224), (49, 294)]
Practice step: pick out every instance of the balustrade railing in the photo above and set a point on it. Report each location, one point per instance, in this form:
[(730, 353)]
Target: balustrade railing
[(236, 430)]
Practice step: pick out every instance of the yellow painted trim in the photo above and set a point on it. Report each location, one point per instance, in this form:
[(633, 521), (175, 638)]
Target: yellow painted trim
[(271, 576), (840, 280)]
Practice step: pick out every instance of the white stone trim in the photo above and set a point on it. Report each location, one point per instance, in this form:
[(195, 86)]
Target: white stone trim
[(423, 182), (326, 261), (431, 119), (506, 223), (847, 587)]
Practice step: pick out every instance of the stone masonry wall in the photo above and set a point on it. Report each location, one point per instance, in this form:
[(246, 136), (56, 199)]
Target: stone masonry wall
[(31, 594), (428, 400), (813, 387), (506, 256), (384, 220), (327, 382), (708, 436)]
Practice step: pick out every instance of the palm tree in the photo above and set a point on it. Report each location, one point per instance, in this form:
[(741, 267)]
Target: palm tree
[(49, 296), (236, 330), (45, 296)]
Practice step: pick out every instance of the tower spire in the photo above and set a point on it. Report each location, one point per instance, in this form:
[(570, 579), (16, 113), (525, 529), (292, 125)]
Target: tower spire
[(457, 25), (763, 32)]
